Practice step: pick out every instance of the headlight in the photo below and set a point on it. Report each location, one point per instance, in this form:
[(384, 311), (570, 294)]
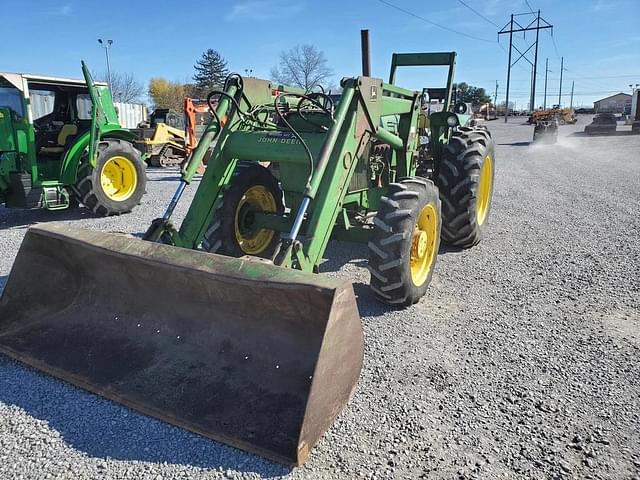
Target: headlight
[(452, 120)]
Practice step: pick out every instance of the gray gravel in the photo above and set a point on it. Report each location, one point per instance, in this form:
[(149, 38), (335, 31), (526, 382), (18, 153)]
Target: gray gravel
[(522, 361)]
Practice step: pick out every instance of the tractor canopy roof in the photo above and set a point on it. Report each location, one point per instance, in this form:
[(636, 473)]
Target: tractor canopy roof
[(17, 80)]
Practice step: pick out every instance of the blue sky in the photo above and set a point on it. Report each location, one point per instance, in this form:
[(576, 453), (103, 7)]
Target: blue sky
[(599, 39)]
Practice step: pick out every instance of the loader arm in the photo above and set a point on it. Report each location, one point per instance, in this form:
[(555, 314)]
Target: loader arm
[(103, 112), (316, 197)]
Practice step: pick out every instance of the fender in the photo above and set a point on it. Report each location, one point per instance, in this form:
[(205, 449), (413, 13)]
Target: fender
[(79, 149)]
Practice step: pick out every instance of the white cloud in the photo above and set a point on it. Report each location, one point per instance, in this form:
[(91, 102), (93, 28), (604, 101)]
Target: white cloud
[(65, 9), (604, 5), (261, 10)]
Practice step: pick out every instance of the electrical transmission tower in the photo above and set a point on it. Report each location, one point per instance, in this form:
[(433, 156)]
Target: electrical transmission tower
[(515, 27)]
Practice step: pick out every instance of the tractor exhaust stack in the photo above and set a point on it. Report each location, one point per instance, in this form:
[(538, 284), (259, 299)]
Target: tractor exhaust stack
[(366, 49), (253, 355)]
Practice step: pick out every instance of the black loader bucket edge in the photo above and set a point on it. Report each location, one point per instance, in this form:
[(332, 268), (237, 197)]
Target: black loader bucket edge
[(256, 356)]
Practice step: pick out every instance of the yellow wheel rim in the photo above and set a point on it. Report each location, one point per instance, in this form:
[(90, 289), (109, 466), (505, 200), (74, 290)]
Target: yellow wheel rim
[(118, 178), (423, 245), (485, 188), (256, 199)]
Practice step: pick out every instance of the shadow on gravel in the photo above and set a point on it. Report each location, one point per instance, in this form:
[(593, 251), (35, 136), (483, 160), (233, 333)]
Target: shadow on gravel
[(168, 178), (368, 304), (10, 218), (340, 256), (444, 249), (3, 282), (105, 430), (157, 174), (617, 133), (516, 144)]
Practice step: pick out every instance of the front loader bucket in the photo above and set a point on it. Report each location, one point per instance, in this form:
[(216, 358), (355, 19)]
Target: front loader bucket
[(256, 356)]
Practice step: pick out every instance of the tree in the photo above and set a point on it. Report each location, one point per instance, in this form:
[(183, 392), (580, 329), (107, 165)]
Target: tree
[(167, 94), (211, 71), (303, 66), (501, 107), (471, 94), (124, 87)]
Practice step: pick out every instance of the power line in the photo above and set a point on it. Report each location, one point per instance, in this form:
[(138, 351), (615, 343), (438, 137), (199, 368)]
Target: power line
[(509, 29), (610, 76), (519, 65), (555, 47), (479, 14), (550, 32), (566, 94), (532, 11), (432, 22)]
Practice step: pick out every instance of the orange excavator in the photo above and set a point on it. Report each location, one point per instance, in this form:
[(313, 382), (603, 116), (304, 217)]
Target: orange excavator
[(196, 118), (196, 115)]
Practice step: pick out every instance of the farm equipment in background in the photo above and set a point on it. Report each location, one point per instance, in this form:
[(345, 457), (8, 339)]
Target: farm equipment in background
[(546, 131), (488, 112), (61, 144), (197, 116), (169, 137), (602, 124), (635, 111), (234, 335), (565, 116), (162, 138)]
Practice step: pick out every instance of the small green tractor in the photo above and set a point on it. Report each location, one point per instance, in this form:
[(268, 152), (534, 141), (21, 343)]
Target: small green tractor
[(61, 144), (223, 325)]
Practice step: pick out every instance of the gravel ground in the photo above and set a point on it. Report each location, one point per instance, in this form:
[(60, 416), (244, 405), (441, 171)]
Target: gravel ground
[(521, 362)]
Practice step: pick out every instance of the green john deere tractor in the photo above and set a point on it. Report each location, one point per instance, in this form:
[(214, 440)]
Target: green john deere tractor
[(61, 144), (221, 325)]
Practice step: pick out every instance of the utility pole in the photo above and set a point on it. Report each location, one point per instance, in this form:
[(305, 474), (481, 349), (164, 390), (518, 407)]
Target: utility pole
[(573, 82), (533, 25), (560, 92), (535, 65), (546, 71), (506, 103), (496, 96), (107, 44), (532, 82)]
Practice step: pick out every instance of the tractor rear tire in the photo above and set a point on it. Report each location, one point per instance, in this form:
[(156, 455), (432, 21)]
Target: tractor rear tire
[(465, 180), (252, 189), (118, 181), (404, 245)]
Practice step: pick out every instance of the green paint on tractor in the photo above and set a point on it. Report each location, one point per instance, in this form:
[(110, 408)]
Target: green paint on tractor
[(52, 133), (235, 336)]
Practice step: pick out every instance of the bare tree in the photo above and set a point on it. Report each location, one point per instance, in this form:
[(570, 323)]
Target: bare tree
[(303, 66), (124, 87)]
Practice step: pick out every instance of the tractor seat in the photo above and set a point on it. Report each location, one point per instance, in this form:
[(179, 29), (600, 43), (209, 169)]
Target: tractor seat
[(68, 130)]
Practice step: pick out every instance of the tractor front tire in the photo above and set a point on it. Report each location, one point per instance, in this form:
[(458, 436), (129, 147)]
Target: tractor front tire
[(404, 245), (118, 181), (465, 181), (253, 189)]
